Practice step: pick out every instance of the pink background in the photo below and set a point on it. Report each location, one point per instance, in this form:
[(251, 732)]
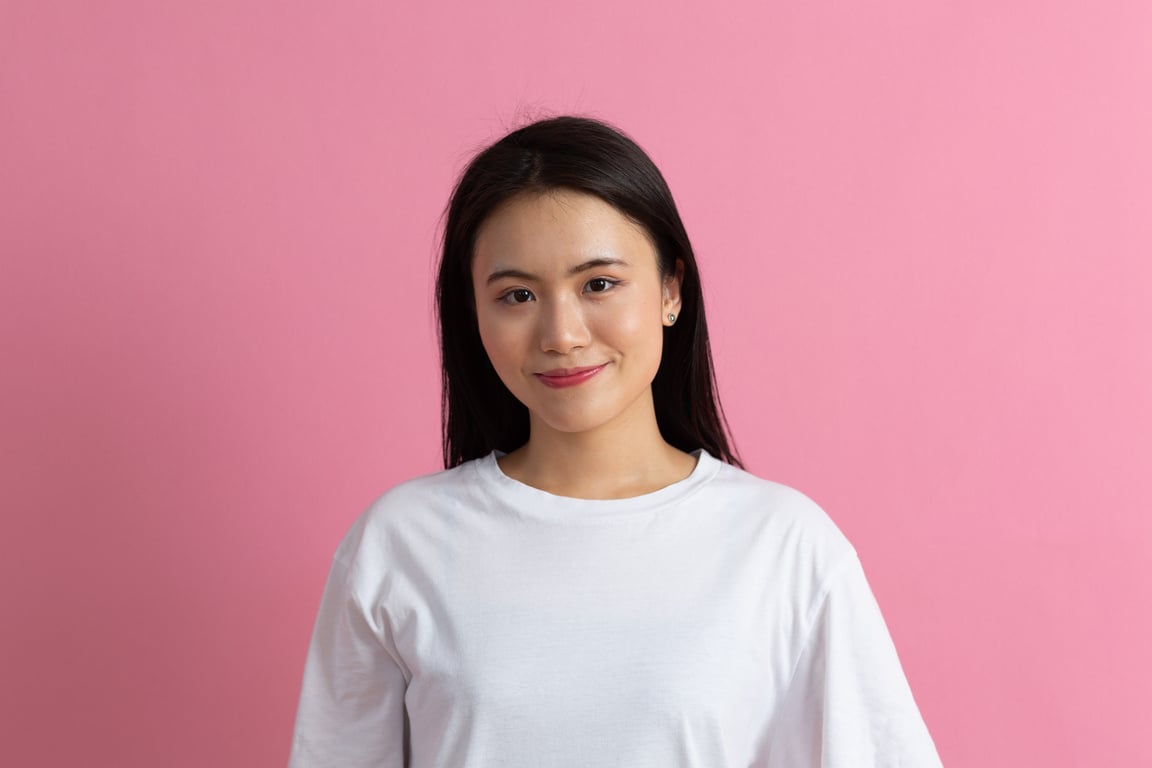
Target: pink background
[(926, 236)]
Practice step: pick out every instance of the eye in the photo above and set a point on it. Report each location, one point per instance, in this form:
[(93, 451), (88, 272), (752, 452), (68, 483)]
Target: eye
[(600, 285), (517, 296)]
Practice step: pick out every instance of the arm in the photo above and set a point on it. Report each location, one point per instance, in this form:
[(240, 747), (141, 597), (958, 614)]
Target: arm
[(351, 710), (849, 703)]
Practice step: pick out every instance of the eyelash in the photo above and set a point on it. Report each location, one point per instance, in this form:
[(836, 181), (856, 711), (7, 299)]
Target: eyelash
[(610, 283), (506, 297)]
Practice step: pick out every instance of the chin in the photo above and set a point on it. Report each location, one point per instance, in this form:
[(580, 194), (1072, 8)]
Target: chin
[(574, 420), (573, 425)]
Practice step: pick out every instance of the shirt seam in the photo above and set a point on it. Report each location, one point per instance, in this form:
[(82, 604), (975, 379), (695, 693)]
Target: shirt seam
[(810, 630), (488, 479), (387, 644)]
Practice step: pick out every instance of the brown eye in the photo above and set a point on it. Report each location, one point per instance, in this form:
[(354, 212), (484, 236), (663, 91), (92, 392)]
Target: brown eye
[(599, 285), (517, 296)]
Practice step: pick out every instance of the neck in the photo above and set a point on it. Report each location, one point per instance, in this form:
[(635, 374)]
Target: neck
[(627, 457)]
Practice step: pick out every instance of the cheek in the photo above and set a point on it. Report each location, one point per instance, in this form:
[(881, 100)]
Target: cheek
[(638, 330), (489, 339), (500, 340)]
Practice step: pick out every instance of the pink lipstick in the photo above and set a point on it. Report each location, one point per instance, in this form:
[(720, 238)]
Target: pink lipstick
[(569, 377)]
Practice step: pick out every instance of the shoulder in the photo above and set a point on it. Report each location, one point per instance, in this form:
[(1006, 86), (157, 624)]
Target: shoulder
[(408, 507), (742, 486), (795, 526), (754, 495)]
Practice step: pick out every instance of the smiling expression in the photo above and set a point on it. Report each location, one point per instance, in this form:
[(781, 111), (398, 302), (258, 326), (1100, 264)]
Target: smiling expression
[(571, 308)]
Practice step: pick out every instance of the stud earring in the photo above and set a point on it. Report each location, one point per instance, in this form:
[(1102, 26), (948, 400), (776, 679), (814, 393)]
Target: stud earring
[(671, 318)]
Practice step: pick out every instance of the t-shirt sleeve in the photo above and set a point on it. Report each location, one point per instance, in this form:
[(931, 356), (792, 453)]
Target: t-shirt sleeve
[(849, 704), (351, 710)]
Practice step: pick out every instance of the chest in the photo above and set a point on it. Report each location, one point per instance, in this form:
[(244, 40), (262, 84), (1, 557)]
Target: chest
[(536, 632)]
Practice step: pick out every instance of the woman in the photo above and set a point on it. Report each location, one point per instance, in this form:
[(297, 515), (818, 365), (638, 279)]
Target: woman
[(593, 580)]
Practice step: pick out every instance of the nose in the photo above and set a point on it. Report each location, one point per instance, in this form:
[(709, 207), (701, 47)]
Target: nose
[(563, 328)]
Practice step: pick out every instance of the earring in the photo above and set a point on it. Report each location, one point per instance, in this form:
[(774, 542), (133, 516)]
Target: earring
[(671, 318)]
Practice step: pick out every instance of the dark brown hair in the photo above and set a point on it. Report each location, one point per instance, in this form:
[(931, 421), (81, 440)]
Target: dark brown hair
[(478, 412)]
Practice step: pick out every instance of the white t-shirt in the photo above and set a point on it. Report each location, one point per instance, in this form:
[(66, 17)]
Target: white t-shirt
[(472, 621)]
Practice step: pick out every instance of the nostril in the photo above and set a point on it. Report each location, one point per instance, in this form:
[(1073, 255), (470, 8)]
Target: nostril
[(563, 330)]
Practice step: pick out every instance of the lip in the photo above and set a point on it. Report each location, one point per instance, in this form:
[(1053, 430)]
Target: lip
[(569, 377)]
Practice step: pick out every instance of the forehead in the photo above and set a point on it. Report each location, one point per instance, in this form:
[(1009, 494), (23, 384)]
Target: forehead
[(556, 229)]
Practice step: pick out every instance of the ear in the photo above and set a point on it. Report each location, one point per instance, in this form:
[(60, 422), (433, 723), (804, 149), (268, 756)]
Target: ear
[(672, 283)]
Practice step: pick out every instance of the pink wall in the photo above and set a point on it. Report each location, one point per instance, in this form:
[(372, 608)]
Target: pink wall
[(926, 231)]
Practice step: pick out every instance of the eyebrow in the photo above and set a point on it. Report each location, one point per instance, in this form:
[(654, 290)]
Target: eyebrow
[(584, 266)]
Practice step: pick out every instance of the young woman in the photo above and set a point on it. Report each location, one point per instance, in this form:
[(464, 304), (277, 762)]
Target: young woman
[(593, 580)]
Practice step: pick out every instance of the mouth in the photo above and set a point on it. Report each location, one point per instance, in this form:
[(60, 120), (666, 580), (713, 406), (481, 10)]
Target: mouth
[(569, 377)]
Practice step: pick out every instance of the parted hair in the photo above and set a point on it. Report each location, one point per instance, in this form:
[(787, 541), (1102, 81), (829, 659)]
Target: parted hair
[(478, 413)]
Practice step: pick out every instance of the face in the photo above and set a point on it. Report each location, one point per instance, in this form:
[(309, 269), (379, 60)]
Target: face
[(571, 307)]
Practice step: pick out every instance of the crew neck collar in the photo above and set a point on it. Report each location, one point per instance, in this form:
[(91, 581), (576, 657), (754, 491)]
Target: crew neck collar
[(534, 502)]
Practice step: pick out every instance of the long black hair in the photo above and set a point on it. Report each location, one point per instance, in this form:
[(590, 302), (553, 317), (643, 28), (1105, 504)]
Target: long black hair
[(478, 413)]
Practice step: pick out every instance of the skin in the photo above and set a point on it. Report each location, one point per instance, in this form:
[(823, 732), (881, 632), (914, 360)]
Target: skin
[(563, 280)]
